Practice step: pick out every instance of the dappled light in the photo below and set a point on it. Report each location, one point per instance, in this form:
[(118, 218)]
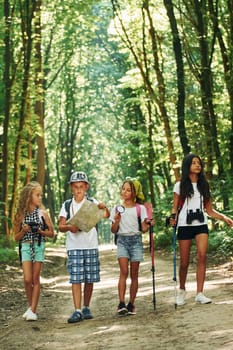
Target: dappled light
[(205, 324), (116, 89)]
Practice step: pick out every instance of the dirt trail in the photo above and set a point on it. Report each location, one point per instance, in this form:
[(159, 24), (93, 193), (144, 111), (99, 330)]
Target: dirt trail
[(190, 327)]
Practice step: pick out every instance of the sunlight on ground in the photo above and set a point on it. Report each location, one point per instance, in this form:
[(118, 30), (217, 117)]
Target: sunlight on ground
[(230, 302), (163, 283), (104, 247), (57, 251), (115, 328)]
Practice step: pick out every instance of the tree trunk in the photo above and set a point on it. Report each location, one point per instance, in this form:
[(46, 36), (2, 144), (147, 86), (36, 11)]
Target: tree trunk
[(7, 103), (26, 19), (160, 100), (207, 95), (39, 104), (157, 97), (227, 57), (180, 77)]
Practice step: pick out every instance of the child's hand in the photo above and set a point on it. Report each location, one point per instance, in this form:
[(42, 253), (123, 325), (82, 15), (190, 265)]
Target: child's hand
[(228, 221), (101, 205), (73, 229), (172, 220), (26, 228), (149, 222), (117, 218)]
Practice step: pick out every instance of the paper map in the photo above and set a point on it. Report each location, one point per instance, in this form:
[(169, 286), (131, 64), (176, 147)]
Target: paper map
[(87, 216)]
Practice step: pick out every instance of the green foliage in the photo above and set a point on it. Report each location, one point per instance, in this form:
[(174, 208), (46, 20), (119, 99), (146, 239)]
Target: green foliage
[(163, 240), (100, 116), (221, 243), (8, 255), (8, 251)]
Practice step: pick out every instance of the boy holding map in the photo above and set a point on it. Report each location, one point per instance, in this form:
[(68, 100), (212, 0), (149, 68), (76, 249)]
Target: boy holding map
[(82, 246)]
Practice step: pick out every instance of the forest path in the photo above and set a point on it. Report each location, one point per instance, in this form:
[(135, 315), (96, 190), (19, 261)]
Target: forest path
[(189, 327)]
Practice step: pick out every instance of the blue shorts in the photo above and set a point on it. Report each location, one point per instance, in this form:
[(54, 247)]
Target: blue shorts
[(33, 252), (189, 232), (84, 265), (130, 247)]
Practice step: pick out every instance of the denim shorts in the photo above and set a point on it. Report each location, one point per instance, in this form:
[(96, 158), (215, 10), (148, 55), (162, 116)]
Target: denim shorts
[(33, 252), (84, 265), (130, 247)]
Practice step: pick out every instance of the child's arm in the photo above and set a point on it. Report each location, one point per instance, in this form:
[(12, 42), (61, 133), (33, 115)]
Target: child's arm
[(216, 214), (146, 225), (106, 210), (115, 223), (64, 227), (48, 231), (19, 229)]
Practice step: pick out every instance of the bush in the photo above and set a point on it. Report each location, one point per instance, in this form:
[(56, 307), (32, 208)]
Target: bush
[(7, 249), (8, 255), (163, 240), (221, 242)]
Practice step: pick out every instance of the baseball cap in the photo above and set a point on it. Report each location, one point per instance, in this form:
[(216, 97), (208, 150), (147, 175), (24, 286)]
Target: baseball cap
[(79, 176)]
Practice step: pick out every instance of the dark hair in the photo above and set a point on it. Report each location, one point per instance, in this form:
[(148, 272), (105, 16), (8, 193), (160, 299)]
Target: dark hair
[(186, 187)]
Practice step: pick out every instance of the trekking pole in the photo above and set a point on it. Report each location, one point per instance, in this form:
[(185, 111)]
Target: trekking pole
[(151, 233), (174, 264), (152, 263)]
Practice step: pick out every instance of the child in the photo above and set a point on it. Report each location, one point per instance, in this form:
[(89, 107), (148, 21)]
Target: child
[(129, 225), (193, 194), (31, 226), (82, 249)]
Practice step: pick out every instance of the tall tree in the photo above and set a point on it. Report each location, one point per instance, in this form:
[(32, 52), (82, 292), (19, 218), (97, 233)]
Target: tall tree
[(158, 97), (39, 101), (7, 103), (177, 47), (27, 10), (226, 48)]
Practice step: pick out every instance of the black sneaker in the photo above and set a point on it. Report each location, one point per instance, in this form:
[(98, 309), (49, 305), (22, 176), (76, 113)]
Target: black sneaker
[(131, 309), (122, 309)]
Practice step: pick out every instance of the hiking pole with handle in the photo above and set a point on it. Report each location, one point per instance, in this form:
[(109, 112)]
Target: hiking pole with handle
[(174, 263), (151, 232)]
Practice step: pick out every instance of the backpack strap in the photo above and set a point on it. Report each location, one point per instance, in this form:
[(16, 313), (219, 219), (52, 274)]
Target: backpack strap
[(138, 209), (67, 207), (68, 204), (180, 204)]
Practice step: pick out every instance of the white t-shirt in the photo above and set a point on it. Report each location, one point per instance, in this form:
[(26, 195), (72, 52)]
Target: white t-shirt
[(80, 239), (195, 202), (129, 220)]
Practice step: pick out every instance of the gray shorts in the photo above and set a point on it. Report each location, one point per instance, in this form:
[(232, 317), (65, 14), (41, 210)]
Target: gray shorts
[(130, 247)]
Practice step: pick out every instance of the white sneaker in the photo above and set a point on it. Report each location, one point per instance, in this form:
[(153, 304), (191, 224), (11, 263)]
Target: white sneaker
[(26, 312), (202, 299), (180, 297), (31, 316)]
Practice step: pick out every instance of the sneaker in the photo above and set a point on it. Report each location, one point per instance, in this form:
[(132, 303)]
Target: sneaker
[(180, 297), (31, 316), (87, 315), (122, 309), (26, 312), (77, 316), (131, 309), (202, 299)]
